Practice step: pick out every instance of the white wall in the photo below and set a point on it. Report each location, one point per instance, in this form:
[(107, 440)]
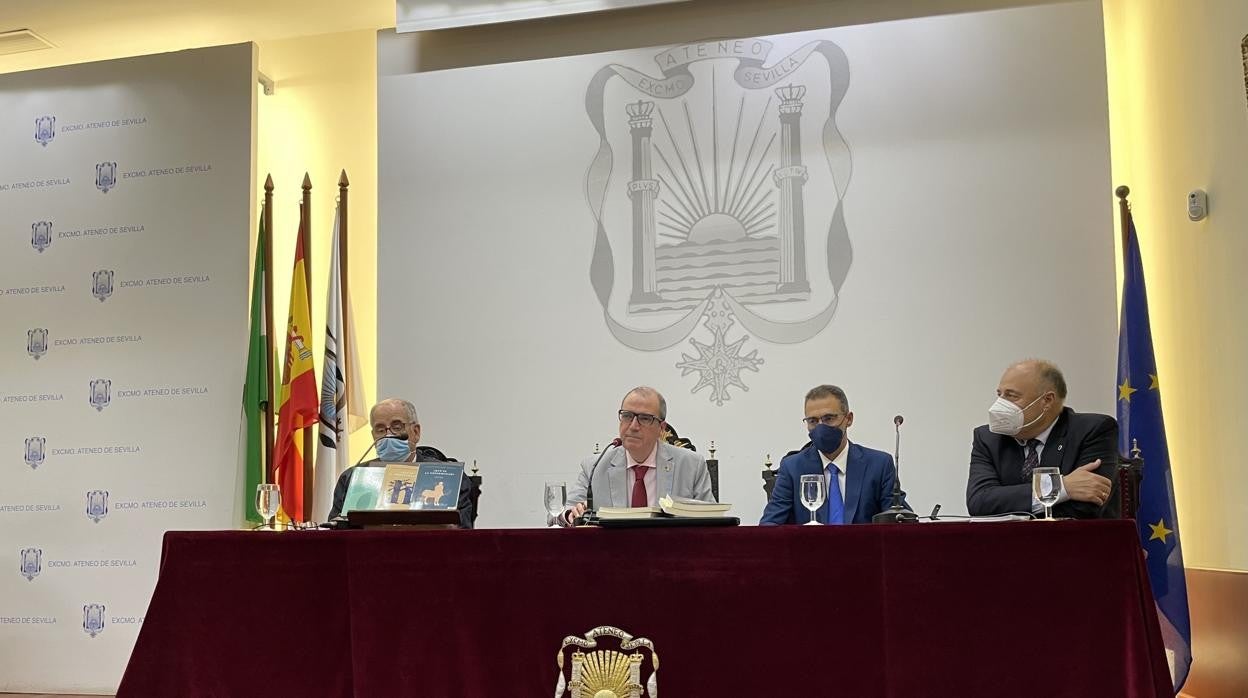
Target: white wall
[(978, 212), (168, 336)]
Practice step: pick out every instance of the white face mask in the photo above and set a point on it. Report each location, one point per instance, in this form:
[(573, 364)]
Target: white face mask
[(1006, 418)]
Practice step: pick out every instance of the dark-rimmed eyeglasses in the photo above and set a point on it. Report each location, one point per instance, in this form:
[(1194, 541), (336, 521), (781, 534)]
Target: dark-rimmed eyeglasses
[(396, 427), (642, 418)]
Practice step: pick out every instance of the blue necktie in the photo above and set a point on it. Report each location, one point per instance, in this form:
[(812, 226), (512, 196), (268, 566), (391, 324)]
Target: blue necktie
[(834, 507)]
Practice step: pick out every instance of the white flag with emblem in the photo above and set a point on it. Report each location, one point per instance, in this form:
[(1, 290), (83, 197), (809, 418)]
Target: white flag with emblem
[(341, 413)]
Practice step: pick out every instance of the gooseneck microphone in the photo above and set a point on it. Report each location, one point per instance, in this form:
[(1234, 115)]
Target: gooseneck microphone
[(589, 514), (366, 452), (896, 513)]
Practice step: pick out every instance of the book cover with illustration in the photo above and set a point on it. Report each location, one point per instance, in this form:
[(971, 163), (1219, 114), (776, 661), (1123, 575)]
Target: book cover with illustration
[(437, 486)]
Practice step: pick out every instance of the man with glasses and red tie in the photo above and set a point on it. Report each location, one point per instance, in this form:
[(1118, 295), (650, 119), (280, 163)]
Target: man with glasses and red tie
[(643, 468), (859, 479), (396, 432)]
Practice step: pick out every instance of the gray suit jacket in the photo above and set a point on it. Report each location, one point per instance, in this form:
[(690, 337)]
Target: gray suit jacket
[(681, 473)]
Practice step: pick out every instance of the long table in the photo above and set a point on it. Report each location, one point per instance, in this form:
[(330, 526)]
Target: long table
[(945, 609)]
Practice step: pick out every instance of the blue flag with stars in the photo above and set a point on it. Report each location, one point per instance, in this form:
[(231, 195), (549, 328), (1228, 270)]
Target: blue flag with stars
[(1140, 425)]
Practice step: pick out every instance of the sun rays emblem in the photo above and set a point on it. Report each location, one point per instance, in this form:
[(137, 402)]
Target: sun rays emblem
[(717, 161)]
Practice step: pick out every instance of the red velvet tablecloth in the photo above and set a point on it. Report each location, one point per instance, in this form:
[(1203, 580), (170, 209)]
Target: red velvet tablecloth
[(1010, 609)]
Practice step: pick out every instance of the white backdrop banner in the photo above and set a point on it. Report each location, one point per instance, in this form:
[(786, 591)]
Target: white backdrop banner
[(902, 209), (125, 192)]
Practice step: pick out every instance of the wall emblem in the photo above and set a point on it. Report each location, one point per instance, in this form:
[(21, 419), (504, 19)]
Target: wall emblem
[(105, 176), (101, 393), (41, 235), (34, 451), (93, 619), (97, 505), (45, 130), (607, 663), (102, 284), (714, 223), (32, 563), (37, 342)]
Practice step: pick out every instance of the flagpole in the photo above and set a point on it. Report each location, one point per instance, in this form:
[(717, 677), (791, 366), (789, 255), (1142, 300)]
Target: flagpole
[(1124, 217), (305, 232), (344, 344), (269, 408)]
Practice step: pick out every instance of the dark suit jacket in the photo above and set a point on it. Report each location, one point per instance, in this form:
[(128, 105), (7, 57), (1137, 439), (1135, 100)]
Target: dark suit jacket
[(996, 484), (869, 478), (424, 454)]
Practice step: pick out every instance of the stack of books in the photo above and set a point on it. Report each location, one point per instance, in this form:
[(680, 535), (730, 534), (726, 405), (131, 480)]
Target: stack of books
[(695, 508)]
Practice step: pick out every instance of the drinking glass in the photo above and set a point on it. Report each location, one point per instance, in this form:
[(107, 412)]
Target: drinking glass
[(814, 491), (556, 498), (268, 501), (1046, 486)]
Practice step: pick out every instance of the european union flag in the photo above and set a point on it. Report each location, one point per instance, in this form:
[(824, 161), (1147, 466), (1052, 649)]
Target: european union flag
[(1140, 425)]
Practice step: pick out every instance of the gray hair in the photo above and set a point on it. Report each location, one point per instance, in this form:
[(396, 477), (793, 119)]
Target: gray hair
[(821, 391), (647, 391), (408, 408)]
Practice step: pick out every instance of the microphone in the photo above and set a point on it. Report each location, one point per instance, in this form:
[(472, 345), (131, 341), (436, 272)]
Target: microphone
[(589, 516), (896, 513), (366, 452)]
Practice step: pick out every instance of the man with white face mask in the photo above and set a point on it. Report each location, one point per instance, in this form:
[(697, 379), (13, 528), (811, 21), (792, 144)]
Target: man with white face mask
[(396, 431), (1029, 427)]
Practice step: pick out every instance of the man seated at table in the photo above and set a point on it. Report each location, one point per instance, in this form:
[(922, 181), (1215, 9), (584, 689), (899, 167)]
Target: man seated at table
[(1029, 427), (859, 479), (396, 431), (643, 468)]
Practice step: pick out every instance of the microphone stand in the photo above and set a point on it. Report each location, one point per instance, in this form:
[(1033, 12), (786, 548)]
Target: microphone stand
[(896, 513), (590, 517)]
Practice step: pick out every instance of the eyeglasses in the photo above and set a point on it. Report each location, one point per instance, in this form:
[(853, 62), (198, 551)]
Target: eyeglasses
[(643, 419), (380, 430), (831, 419)]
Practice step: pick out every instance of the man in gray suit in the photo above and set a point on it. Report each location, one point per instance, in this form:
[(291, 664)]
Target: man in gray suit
[(644, 468)]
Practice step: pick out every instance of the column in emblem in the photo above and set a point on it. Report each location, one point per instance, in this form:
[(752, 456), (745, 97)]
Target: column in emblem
[(642, 189), (790, 178)]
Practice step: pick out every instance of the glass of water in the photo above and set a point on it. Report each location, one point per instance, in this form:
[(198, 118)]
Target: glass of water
[(268, 501), (814, 491), (556, 497), (1046, 486)]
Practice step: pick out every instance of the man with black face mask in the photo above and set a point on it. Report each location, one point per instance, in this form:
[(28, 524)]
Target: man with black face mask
[(1029, 427), (859, 479), (396, 431)]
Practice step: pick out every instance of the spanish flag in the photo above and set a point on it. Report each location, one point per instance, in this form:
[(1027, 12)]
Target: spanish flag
[(297, 400)]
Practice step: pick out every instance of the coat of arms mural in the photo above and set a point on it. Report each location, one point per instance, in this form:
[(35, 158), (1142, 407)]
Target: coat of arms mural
[(714, 222)]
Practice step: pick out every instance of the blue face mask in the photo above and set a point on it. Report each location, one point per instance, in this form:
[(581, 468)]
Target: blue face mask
[(827, 439), (392, 449)]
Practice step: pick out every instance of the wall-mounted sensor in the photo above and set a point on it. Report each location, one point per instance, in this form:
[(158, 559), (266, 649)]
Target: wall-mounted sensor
[(1197, 205)]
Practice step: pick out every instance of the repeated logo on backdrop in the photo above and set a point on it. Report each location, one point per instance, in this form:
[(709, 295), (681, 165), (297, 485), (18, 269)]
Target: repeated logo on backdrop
[(34, 451), (101, 393), (93, 618), (97, 505), (45, 130), (102, 284), (105, 176), (32, 563), (37, 342), (41, 235)]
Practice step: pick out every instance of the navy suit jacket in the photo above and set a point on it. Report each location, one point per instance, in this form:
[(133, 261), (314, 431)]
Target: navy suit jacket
[(869, 476)]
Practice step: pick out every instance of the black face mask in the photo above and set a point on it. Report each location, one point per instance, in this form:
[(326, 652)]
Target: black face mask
[(827, 439)]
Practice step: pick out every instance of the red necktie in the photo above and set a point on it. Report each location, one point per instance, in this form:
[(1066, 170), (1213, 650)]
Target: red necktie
[(639, 487)]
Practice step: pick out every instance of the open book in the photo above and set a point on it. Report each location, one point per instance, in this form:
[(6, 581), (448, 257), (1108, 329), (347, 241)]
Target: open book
[(684, 506)]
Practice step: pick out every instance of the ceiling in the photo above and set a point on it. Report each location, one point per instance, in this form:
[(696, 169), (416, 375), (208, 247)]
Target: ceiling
[(89, 30)]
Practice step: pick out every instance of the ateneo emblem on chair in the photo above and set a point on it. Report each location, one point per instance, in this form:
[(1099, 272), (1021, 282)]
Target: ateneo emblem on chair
[(607, 663)]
